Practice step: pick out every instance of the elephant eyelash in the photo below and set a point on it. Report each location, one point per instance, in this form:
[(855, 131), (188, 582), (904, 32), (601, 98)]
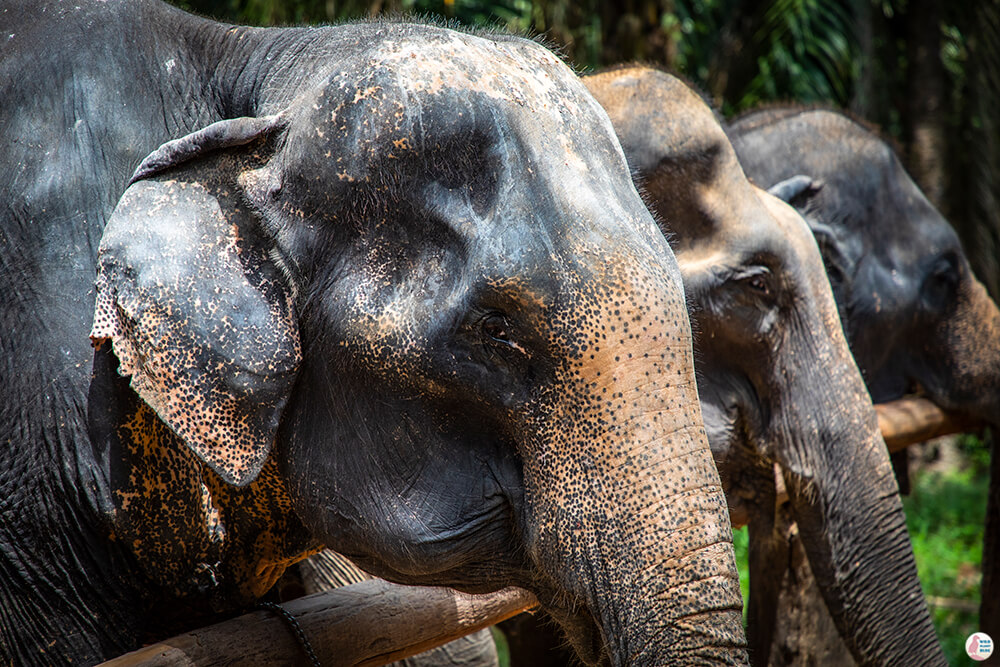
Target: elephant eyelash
[(757, 278), (496, 329)]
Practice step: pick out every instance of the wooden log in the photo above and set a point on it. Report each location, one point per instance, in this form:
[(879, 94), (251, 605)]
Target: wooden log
[(911, 420), (328, 570), (369, 623)]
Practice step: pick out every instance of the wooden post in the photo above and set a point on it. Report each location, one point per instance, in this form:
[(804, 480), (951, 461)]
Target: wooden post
[(369, 623)]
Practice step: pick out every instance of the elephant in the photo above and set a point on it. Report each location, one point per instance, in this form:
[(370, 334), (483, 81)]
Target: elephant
[(775, 375), (916, 318), (359, 286)]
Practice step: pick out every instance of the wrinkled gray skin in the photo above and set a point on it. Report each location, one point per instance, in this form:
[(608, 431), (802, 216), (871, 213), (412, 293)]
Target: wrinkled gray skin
[(916, 317), (385, 287), (775, 375)]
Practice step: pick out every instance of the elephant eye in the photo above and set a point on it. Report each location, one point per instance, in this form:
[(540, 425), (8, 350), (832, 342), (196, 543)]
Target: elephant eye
[(939, 287), (495, 326), (759, 283), (497, 332)]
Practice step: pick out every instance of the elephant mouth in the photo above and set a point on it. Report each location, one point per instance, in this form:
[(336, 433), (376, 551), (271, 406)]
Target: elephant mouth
[(914, 388), (581, 630)]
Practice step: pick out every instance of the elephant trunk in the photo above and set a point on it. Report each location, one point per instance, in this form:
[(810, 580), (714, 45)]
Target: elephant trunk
[(965, 350), (844, 497), (627, 508)]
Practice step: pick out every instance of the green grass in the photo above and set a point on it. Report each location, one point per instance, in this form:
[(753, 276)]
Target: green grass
[(503, 649), (945, 512)]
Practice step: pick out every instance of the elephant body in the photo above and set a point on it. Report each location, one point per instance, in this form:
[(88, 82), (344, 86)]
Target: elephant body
[(776, 378), (367, 286), (916, 318)]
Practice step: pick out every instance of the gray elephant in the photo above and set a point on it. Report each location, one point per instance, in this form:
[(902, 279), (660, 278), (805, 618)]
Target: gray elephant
[(775, 374), (383, 287), (916, 317)]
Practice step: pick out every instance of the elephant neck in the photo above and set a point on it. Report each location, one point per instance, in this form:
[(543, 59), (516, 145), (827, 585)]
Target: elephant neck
[(249, 71), (112, 533)]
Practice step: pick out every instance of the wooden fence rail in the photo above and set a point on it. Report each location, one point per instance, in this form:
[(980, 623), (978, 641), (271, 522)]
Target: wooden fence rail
[(375, 622), (903, 423), (370, 623), (911, 420)]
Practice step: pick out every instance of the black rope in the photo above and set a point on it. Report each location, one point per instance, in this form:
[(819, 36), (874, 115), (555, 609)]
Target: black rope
[(296, 629)]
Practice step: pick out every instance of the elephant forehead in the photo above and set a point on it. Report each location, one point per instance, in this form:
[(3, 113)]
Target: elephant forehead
[(511, 70), (407, 95)]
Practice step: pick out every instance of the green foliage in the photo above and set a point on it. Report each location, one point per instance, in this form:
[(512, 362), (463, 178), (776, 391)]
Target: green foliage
[(503, 648), (945, 515), (805, 53), (741, 51), (741, 543), (976, 451)]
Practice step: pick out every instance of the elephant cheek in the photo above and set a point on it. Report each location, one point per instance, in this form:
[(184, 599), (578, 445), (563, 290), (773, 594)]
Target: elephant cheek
[(190, 531)]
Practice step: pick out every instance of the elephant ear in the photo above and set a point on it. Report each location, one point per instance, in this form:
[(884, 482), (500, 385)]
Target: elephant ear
[(796, 190), (196, 313), (799, 191)]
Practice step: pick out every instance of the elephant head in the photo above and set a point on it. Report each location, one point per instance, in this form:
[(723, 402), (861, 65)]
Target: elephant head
[(416, 304), (775, 376), (916, 317)]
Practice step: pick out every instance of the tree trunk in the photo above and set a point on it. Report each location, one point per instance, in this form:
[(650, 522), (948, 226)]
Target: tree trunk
[(866, 89), (974, 189), (926, 97), (981, 234)]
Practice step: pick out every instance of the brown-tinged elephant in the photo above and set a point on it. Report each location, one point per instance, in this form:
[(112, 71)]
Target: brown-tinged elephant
[(384, 287), (775, 375), (916, 317)]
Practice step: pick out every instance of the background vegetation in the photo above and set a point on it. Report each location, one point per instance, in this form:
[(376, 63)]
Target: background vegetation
[(945, 514), (926, 71)]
